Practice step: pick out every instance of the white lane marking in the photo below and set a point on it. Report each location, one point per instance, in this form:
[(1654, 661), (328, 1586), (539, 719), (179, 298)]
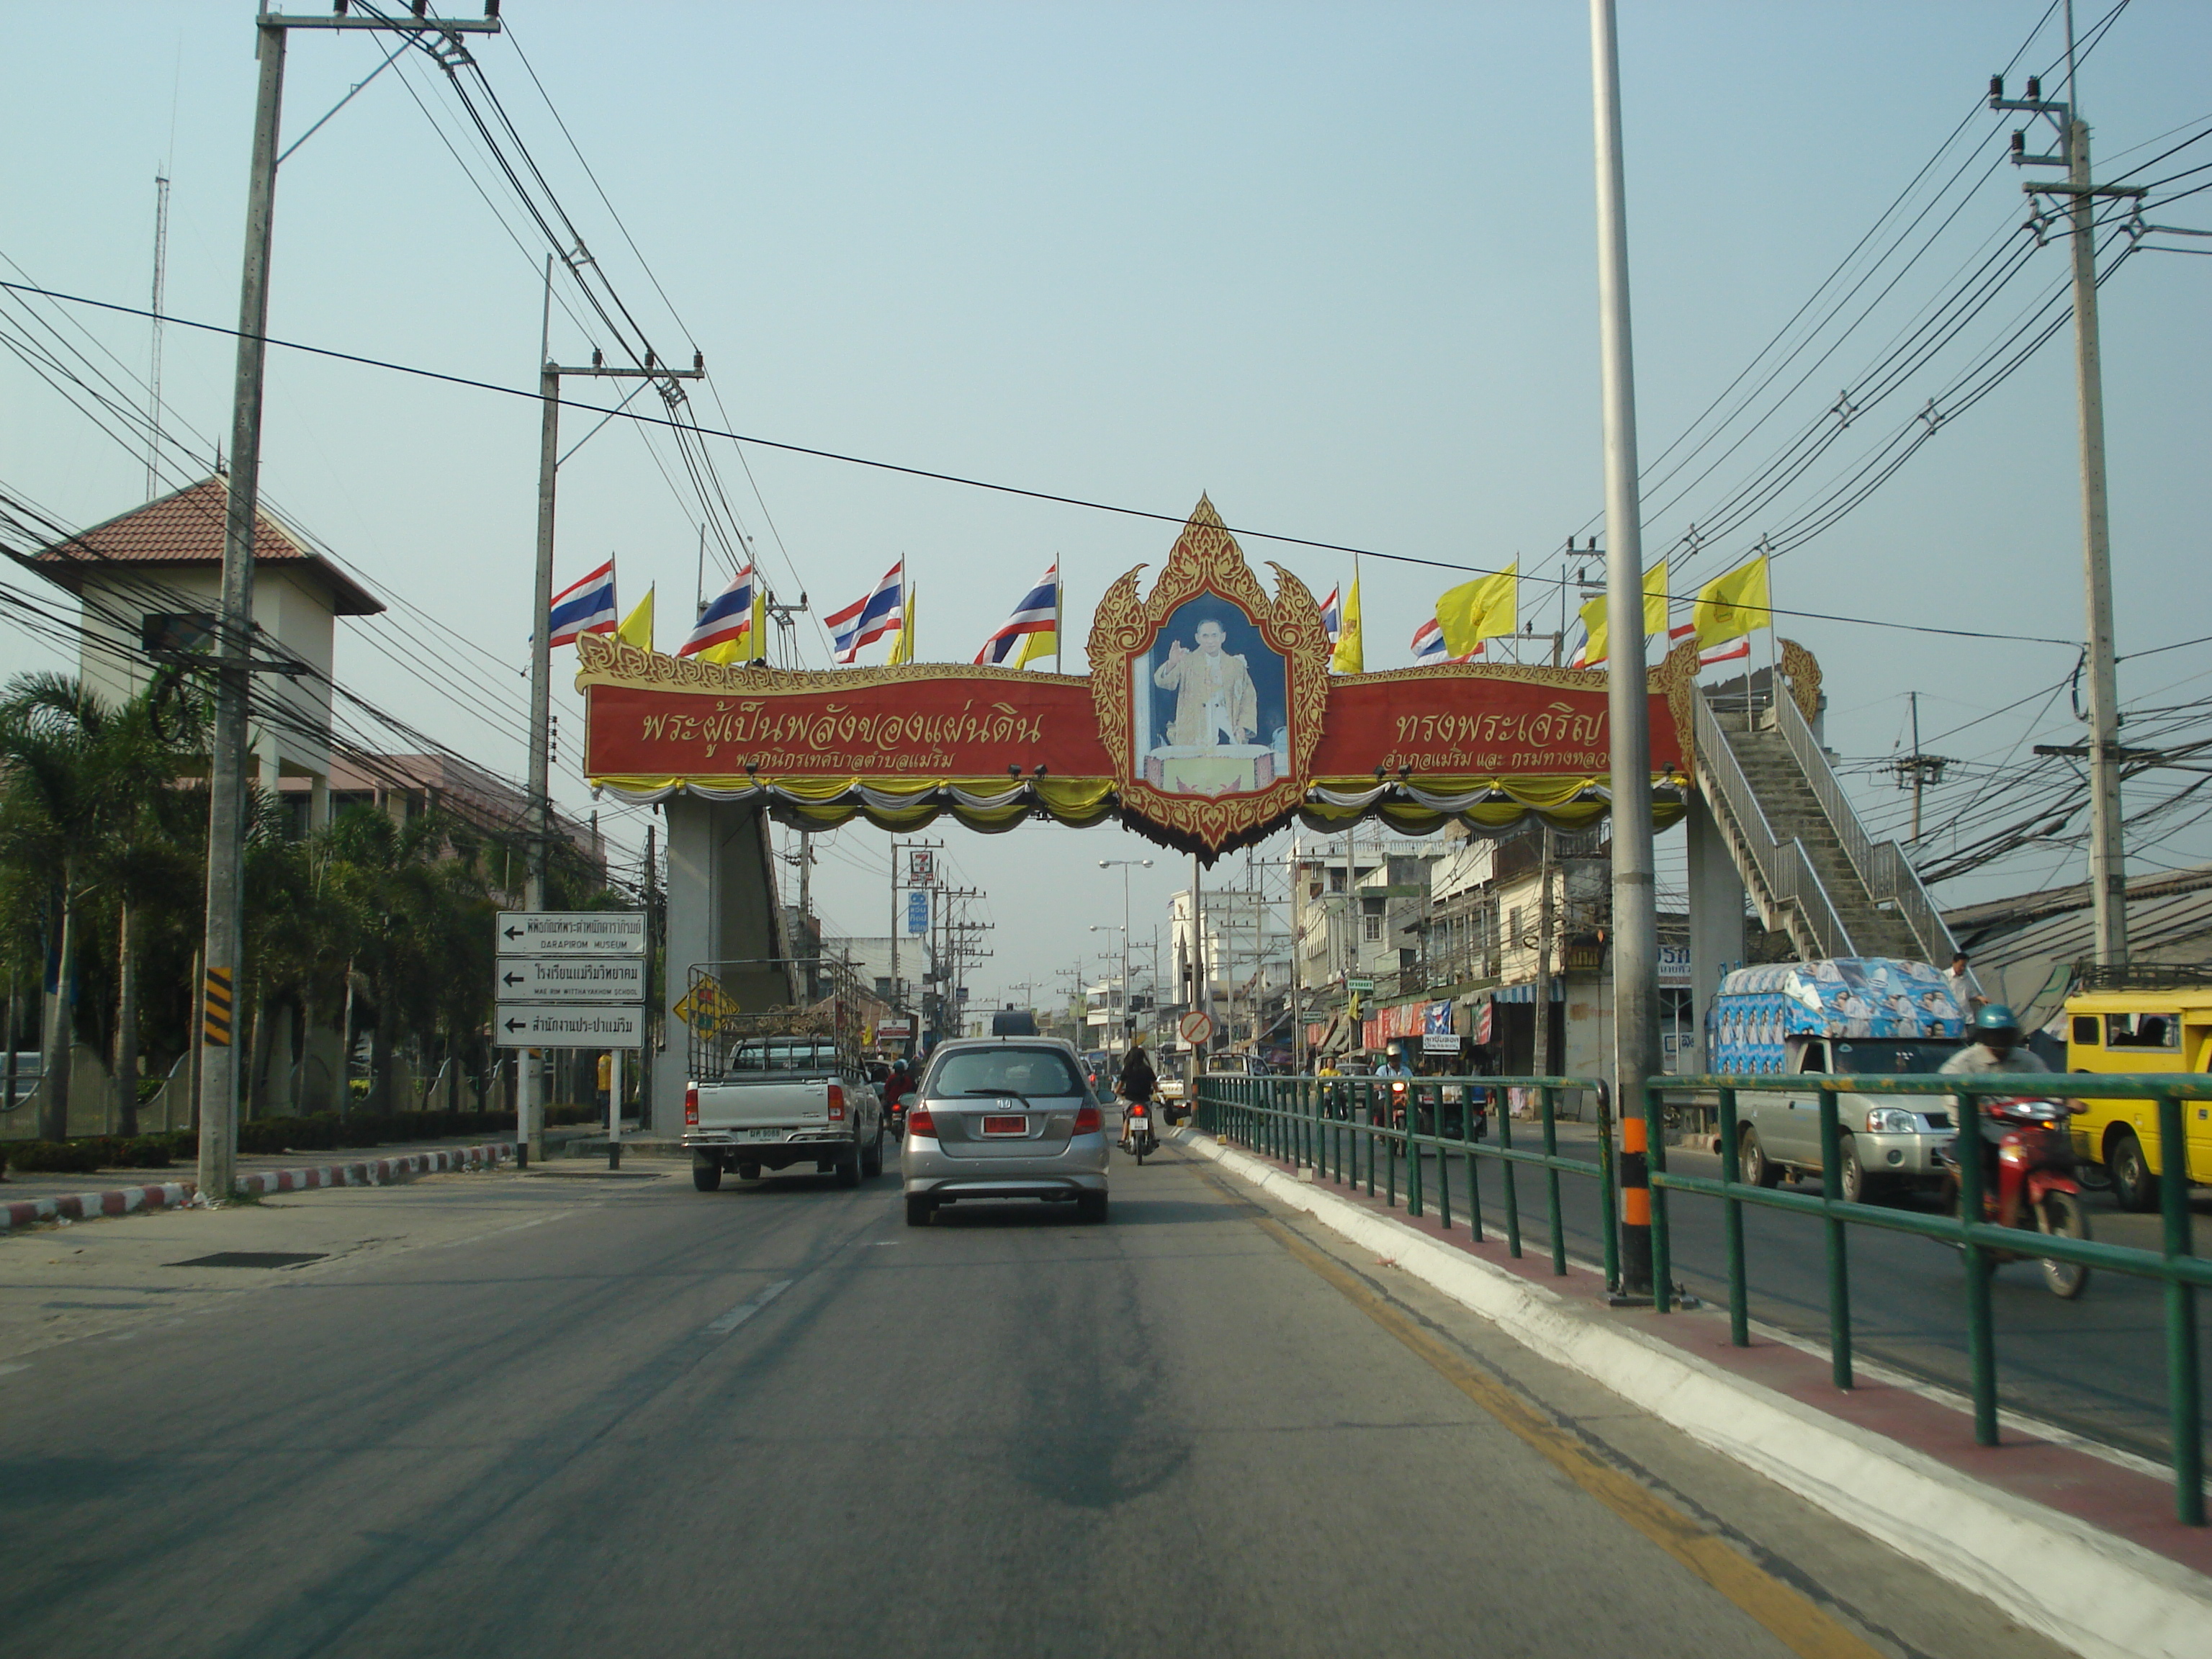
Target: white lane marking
[(746, 1310), (9, 1370)]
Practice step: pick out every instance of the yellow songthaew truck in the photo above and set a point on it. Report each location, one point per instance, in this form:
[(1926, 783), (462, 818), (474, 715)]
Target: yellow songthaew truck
[(2168, 1028)]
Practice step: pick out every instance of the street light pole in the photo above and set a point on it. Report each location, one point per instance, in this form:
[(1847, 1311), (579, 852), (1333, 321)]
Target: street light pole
[(1128, 1009)]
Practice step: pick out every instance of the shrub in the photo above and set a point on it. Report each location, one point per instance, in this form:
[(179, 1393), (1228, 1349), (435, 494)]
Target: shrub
[(54, 1156)]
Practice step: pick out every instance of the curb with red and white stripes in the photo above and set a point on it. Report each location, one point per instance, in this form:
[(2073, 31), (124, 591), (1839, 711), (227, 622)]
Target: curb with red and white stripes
[(184, 1194)]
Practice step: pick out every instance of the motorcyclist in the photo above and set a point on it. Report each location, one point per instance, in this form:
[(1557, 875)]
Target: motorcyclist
[(899, 1085), (1995, 1047), (1136, 1085)]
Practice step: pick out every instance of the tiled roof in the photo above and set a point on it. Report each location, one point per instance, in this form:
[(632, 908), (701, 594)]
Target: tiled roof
[(187, 528)]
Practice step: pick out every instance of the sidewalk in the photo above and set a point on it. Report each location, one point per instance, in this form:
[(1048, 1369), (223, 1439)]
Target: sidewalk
[(2079, 1543), (29, 1199)]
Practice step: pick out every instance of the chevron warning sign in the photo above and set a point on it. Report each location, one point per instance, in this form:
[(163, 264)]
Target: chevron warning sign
[(214, 1008)]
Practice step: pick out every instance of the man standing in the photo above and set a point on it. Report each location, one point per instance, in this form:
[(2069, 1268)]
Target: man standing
[(1215, 701), (1965, 989)]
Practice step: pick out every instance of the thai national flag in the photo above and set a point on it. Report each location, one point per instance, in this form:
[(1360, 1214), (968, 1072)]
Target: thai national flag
[(1332, 614), (866, 621), (1429, 644), (730, 616), (587, 607), (1032, 630)]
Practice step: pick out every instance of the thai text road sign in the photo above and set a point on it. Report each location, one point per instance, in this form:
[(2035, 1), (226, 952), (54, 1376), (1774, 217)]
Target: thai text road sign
[(531, 1025), (570, 933), (917, 912), (1365, 985), (569, 979), (705, 1007), (1195, 1026)]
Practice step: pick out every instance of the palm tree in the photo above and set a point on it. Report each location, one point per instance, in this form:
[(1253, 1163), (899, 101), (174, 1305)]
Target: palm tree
[(59, 794)]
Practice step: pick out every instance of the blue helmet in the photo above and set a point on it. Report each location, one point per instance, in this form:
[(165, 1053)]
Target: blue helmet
[(1995, 1017)]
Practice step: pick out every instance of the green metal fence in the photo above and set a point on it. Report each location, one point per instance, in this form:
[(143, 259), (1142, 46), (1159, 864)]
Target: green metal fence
[(1347, 1128), (1359, 1131), (2176, 1265)]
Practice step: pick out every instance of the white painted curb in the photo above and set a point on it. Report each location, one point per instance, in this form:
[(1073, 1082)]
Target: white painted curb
[(2102, 1596)]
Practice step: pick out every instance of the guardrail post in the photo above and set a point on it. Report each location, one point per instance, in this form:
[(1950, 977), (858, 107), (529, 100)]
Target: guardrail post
[(2183, 1397), (1473, 1168), (1732, 1223), (1550, 1098), (1839, 1266), (1635, 1279), (1655, 1135), (1444, 1162), (1504, 1170), (1981, 1334)]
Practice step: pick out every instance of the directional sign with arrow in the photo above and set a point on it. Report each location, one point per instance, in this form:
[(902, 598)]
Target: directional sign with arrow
[(571, 934), (576, 979), (521, 1025)]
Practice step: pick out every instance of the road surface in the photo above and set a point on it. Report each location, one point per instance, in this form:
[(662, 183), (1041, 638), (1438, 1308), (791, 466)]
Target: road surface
[(563, 1414)]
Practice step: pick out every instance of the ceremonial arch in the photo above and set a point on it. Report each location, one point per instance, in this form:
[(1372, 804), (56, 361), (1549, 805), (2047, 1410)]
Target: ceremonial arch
[(1209, 720)]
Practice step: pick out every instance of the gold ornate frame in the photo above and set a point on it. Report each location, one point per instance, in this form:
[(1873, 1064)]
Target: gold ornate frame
[(1206, 559)]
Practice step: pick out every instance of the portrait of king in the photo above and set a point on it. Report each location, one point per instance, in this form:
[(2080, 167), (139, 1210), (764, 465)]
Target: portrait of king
[(1215, 694)]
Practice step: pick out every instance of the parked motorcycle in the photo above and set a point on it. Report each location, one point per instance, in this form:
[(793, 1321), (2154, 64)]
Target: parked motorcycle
[(2035, 1185)]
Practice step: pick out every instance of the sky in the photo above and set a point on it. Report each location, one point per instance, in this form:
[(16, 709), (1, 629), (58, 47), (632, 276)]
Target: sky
[(1333, 266)]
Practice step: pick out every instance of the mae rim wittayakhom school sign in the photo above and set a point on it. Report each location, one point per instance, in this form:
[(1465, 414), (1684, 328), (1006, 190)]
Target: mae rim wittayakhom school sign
[(1209, 720)]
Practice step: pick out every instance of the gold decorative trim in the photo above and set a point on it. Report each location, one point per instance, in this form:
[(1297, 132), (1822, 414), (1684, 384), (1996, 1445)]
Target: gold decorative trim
[(601, 659), (1206, 559), (1803, 673)]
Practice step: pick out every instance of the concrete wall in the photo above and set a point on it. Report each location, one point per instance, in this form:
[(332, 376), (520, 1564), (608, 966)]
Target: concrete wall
[(721, 909)]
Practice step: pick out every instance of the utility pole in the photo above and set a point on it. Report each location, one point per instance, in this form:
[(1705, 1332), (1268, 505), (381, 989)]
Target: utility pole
[(153, 361), (2108, 887), (1545, 1066), (1916, 770), (528, 1130), (1635, 914), (225, 944)]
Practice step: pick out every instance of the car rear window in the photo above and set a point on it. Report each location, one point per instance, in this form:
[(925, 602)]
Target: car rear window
[(774, 1056), (1010, 1069)]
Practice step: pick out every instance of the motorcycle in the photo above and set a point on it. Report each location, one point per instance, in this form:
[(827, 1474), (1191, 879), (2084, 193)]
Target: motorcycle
[(1137, 1135), (2035, 1183)]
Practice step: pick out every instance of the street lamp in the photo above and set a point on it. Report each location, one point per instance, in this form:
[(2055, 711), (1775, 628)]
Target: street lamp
[(1128, 1011)]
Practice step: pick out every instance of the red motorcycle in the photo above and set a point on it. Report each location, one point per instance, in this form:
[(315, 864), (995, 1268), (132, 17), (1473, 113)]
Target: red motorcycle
[(1137, 1136), (2035, 1185)]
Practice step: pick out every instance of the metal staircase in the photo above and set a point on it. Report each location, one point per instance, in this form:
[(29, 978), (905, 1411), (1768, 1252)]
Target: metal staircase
[(1804, 857)]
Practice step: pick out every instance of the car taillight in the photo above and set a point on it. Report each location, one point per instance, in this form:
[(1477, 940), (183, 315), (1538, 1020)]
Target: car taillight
[(1087, 1120), (920, 1121), (691, 1105), (836, 1101)]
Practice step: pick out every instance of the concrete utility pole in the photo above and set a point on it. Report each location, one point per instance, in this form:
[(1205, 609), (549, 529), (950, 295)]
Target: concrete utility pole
[(2108, 884), (531, 1099), (227, 769), (1128, 1021), (1546, 921), (1635, 902)]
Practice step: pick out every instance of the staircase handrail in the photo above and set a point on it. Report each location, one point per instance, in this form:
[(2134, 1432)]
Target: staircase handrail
[(1784, 866), (1885, 869)]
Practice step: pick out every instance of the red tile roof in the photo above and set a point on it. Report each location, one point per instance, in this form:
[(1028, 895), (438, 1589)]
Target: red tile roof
[(187, 528)]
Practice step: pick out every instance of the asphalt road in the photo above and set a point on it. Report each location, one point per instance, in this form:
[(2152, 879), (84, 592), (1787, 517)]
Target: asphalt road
[(558, 1414), (2095, 1365)]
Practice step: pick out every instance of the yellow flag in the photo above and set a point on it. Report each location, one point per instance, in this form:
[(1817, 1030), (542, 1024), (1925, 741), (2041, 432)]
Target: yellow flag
[(1730, 606), (727, 652), (902, 647), (637, 627), (1654, 614), (1484, 608), (1350, 656)]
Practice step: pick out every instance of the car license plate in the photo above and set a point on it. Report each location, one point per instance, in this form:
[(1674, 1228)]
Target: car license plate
[(766, 1134), (1005, 1126)]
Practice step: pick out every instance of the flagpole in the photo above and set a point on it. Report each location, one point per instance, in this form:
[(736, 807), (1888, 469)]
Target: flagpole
[(1059, 595)]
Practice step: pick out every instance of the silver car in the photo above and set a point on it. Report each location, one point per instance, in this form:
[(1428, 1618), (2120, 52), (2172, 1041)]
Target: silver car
[(1004, 1117)]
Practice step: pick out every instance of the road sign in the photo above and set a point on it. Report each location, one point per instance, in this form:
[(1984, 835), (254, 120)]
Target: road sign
[(917, 912), (531, 1025), (1361, 985), (571, 980), (570, 933), (705, 1007), (1195, 1026)]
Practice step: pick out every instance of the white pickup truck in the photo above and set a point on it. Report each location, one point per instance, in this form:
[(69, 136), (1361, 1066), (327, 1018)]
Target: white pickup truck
[(784, 1102)]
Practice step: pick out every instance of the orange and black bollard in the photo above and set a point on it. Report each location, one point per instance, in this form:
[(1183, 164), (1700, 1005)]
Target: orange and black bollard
[(1635, 1208)]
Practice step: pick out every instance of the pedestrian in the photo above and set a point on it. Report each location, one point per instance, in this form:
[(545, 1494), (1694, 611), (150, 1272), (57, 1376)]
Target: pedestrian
[(1965, 989), (606, 1078)]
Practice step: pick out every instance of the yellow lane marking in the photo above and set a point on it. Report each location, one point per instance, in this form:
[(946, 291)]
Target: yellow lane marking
[(1794, 1620)]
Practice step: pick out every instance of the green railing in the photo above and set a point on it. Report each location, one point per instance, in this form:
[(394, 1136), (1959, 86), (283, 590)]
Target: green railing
[(1343, 1128), (2176, 1265)]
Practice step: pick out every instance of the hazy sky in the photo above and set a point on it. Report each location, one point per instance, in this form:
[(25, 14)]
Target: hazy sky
[(1333, 265)]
